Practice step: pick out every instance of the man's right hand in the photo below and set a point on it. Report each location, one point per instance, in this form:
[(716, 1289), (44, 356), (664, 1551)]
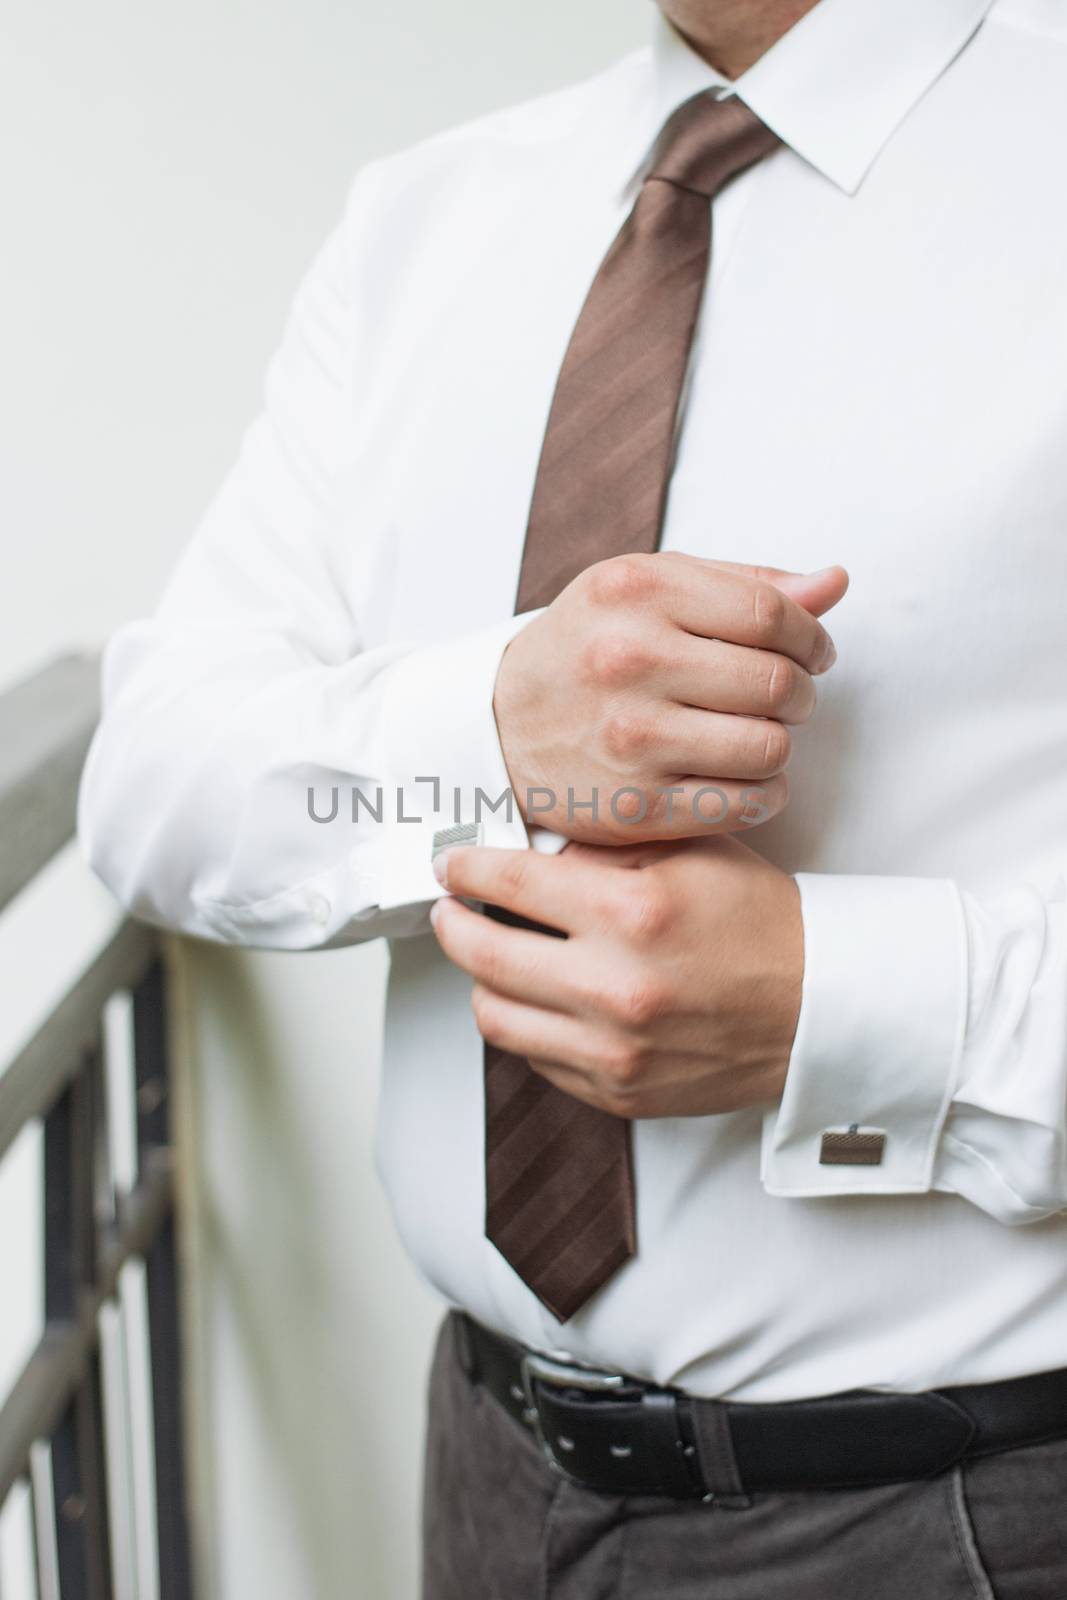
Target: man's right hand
[(657, 672)]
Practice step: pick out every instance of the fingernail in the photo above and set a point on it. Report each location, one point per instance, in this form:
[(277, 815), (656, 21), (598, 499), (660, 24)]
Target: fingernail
[(435, 912), (440, 868), (829, 655), (821, 572)]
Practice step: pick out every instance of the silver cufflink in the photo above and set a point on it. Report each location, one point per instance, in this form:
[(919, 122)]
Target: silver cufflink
[(461, 833), (852, 1147)]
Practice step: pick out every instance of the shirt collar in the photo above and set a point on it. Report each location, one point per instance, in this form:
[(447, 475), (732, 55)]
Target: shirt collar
[(837, 85)]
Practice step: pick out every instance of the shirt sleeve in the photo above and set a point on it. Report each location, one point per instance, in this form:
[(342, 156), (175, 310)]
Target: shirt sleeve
[(259, 774), (933, 1021)]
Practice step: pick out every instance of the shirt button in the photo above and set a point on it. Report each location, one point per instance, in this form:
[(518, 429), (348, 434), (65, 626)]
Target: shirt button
[(318, 908)]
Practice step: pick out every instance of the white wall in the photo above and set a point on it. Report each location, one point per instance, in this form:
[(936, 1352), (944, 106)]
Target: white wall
[(165, 173)]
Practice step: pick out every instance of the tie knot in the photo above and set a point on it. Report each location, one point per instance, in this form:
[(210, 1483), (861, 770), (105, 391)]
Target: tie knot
[(707, 141)]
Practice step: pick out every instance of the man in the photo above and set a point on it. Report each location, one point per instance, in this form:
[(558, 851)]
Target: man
[(751, 1204)]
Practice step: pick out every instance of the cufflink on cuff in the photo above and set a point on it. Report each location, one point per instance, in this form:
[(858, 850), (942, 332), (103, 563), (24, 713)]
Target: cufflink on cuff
[(449, 838), (852, 1147)]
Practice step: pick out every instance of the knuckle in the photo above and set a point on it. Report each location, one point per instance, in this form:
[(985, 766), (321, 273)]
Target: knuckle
[(619, 1102), (627, 735), (777, 746), (651, 815), (630, 814), (644, 909), (641, 1003), (769, 609), (802, 703), (621, 580), (616, 660), (486, 963), (621, 1065), (486, 1012), (780, 681), (514, 876)]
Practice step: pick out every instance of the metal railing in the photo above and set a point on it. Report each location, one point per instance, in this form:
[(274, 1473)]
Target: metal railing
[(90, 1231)]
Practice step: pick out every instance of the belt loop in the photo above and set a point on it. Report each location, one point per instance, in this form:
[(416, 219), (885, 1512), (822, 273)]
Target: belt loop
[(715, 1452)]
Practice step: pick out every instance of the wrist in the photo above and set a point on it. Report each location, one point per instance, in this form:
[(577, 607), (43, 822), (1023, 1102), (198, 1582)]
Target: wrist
[(508, 714), (784, 984)]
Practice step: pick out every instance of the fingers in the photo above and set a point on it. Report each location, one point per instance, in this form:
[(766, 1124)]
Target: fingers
[(722, 746), (526, 966), (563, 1044), (561, 891), (579, 1058), (670, 809), (565, 1051), (731, 678), (714, 601), (691, 741), (696, 808)]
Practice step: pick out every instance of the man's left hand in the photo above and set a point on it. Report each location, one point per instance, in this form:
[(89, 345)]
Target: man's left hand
[(677, 988)]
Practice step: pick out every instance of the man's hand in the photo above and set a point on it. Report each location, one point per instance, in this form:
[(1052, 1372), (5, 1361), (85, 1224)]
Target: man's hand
[(677, 989), (652, 672)]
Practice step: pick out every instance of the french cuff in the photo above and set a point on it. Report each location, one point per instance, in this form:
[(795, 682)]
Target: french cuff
[(878, 1041), (444, 759)]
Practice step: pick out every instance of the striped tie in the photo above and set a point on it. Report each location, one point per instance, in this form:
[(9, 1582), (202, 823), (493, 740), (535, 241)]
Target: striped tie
[(559, 1173)]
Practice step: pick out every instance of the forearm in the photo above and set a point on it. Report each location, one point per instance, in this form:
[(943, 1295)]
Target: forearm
[(238, 790)]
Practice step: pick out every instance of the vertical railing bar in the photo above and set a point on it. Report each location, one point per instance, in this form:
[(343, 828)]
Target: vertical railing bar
[(161, 1278), (89, 1405), (110, 1354), (133, 1298), (31, 1498), (115, 1370), (116, 1177), (44, 1519), (72, 1133), (72, 1556), (60, 1306), (60, 1302), (172, 1530), (91, 1184)]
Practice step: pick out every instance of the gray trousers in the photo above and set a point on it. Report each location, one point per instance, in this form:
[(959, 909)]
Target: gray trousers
[(500, 1524)]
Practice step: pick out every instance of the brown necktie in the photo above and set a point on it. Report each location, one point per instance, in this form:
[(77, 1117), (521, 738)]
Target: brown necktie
[(559, 1173)]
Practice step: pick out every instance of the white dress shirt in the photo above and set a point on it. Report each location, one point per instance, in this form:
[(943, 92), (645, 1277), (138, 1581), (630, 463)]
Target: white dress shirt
[(878, 380)]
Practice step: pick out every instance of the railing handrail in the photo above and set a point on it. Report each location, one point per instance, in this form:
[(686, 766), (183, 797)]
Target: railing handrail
[(46, 723), (45, 1066)]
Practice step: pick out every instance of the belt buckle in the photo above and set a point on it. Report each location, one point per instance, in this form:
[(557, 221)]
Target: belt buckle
[(534, 1369)]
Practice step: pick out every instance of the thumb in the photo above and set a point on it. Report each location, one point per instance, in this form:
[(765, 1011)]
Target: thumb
[(817, 592)]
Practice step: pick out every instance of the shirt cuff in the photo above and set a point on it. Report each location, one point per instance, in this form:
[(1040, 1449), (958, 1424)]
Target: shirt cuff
[(878, 1041), (444, 758)]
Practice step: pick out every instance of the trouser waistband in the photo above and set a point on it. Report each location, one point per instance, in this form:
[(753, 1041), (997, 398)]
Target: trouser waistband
[(616, 1433)]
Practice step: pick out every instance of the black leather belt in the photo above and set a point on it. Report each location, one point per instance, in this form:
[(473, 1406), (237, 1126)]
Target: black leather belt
[(620, 1435)]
